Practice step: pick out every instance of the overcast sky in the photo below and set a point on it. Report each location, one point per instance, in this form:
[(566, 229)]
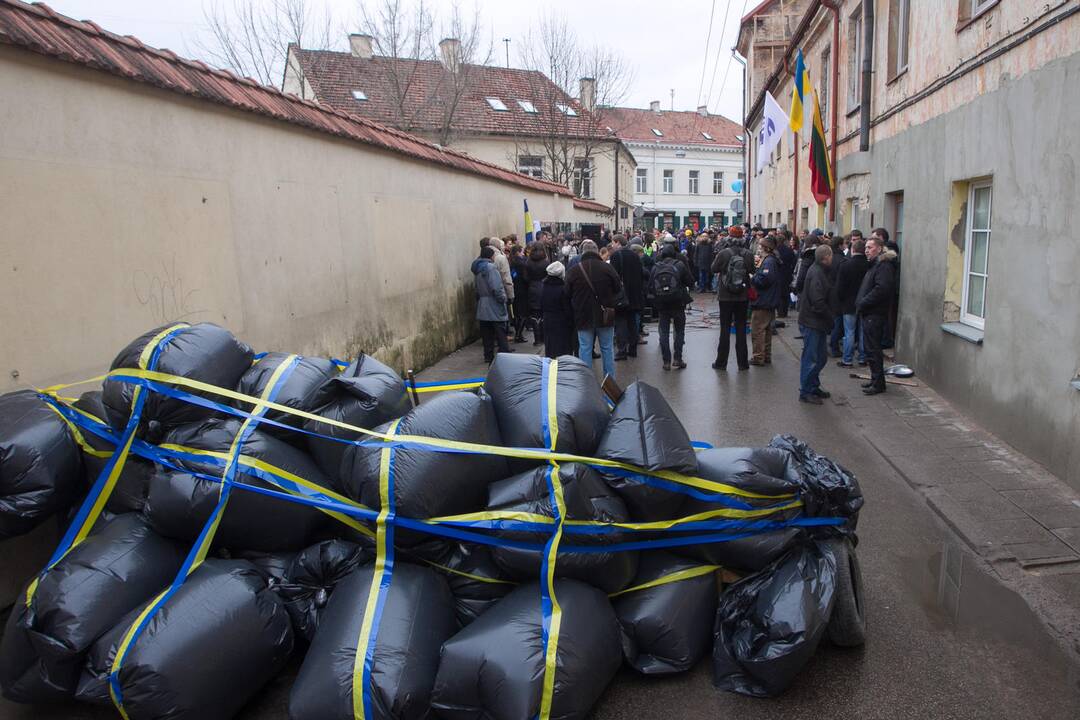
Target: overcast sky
[(664, 43)]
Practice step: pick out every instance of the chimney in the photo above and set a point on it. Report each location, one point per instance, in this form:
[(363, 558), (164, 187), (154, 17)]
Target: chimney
[(587, 93), (360, 45), (450, 53), (655, 106), (703, 110)]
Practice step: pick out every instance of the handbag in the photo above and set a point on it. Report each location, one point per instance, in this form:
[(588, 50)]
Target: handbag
[(607, 314)]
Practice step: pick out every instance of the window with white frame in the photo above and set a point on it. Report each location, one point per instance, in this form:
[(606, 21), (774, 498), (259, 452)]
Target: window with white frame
[(496, 104), (531, 165), (693, 188), (527, 106), (583, 177), (854, 60), (359, 95), (566, 110), (825, 86), (642, 185), (976, 255), (977, 6), (899, 32), (718, 183), (669, 181), (898, 236)]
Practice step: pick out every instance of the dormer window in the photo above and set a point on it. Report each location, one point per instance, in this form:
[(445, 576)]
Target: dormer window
[(527, 106), (496, 104), (359, 95), (566, 110), (706, 135), (657, 133)]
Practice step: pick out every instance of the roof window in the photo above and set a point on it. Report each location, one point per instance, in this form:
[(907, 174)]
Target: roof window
[(657, 133), (359, 95), (527, 106), (496, 104), (706, 135), (566, 110)]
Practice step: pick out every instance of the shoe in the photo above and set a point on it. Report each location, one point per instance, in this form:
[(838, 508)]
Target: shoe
[(869, 383), (863, 363), (679, 365), (508, 350), (811, 399), (644, 333), (518, 340), (717, 366), (757, 363), (798, 337), (596, 356), (873, 391), (845, 364), (779, 323), (667, 366), (744, 367), (823, 394), (619, 357), (768, 361), (642, 341), (775, 331)]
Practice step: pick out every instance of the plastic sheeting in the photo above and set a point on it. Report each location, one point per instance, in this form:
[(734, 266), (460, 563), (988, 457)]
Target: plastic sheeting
[(40, 467), (417, 618), (644, 431), (667, 628), (494, 668), (515, 383), (587, 497), (367, 394), (218, 640), (829, 489), (203, 352), (426, 483), (114, 570), (179, 503), (475, 580), (303, 389), (311, 577), (129, 493), (768, 625)]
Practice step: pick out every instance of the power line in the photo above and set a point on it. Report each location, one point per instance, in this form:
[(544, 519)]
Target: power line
[(719, 48), (727, 70), (705, 60)]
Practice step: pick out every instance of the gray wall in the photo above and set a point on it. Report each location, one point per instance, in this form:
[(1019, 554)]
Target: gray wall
[(1025, 136)]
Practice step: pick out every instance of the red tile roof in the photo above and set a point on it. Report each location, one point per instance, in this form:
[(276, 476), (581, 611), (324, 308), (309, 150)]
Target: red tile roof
[(40, 29), (583, 204), (679, 127), (334, 75)]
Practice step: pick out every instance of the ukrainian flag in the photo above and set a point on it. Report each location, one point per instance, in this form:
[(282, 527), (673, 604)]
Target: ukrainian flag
[(528, 224), (800, 90)]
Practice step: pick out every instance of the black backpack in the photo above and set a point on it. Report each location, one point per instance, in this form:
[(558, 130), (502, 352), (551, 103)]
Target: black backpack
[(735, 276), (665, 282)]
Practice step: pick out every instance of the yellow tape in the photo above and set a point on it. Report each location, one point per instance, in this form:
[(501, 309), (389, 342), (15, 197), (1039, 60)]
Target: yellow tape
[(552, 651), (127, 641), (79, 439), (462, 573), (444, 388), (670, 578)]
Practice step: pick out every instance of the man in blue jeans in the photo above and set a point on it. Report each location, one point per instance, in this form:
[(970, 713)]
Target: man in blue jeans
[(593, 286), (815, 322)]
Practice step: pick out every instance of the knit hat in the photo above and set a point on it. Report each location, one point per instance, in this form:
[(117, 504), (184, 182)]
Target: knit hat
[(556, 269)]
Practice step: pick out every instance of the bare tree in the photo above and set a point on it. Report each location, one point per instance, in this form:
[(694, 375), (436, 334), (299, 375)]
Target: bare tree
[(252, 37)]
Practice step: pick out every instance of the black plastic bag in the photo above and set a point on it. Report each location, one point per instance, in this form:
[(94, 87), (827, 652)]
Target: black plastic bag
[(829, 489), (311, 577), (204, 654), (40, 464), (303, 389), (129, 493), (417, 618), (180, 503), (367, 394), (666, 628), (203, 352), (494, 667), (768, 625), (765, 471), (475, 580), (644, 431), (117, 568), (428, 483), (515, 383), (586, 497)]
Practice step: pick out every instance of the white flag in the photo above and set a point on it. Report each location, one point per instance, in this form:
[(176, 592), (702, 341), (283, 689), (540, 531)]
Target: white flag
[(773, 123)]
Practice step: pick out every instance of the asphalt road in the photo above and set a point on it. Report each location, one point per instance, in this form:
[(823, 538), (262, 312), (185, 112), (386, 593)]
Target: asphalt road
[(917, 663)]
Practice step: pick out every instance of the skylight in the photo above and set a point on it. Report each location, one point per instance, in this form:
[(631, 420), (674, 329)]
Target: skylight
[(657, 133), (359, 95), (566, 110), (706, 135), (739, 138), (527, 106), (496, 104)]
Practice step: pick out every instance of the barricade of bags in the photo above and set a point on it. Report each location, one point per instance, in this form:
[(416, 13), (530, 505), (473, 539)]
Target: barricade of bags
[(499, 550)]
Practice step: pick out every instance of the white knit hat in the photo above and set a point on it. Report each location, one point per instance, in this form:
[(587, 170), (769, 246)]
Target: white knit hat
[(557, 269)]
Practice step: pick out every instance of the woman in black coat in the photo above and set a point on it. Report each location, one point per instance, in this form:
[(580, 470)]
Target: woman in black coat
[(559, 333), (519, 268), (535, 272)]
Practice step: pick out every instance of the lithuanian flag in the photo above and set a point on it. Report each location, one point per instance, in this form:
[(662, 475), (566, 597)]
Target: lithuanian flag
[(821, 176)]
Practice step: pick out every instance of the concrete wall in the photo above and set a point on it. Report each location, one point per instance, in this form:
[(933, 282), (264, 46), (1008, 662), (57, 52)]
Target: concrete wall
[(1023, 136), (123, 207)]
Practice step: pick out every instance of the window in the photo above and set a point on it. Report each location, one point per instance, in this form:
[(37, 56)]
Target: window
[(898, 233), (976, 255), (359, 95), (718, 183), (693, 189), (531, 166), (854, 85), (971, 9), (642, 185), (706, 135), (669, 181), (527, 106), (779, 147), (566, 110), (496, 104), (824, 87), (899, 17), (804, 219), (583, 177), (657, 133)]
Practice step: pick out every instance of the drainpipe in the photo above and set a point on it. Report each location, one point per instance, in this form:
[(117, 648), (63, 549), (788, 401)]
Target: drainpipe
[(794, 169), (867, 72), (615, 205), (835, 98)]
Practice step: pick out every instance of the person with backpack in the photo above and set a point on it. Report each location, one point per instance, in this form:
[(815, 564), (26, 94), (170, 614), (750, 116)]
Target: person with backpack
[(733, 264), (670, 283), (594, 287)]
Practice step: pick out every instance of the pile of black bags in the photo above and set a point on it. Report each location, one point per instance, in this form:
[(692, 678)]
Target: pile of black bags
[(390, 612)]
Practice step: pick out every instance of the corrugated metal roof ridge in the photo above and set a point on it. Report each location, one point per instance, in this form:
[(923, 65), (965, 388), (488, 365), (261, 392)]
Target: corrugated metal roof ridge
[(50, 33)]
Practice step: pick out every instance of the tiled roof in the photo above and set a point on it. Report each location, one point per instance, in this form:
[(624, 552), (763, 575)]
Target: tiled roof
[(335, 75), (678, 127), (583, 204), (40, 29)]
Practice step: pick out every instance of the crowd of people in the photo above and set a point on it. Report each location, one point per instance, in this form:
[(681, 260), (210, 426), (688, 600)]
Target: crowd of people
[(586, 297)]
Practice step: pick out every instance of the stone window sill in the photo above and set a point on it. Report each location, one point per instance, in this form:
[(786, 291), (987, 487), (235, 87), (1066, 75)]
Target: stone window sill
[(964, 332)]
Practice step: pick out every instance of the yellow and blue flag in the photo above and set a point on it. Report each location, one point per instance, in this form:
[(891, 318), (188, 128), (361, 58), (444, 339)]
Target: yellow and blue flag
[(800, 90), (528, 224)]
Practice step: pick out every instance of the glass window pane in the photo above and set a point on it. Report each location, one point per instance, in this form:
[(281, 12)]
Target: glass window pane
[(981, 219), (976, 293), (977, 256)]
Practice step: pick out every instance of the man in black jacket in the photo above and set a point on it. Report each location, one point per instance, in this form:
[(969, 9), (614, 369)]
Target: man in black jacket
[(848, 279), (626, 263), (872, 304), (787, 259), (815, 323), (733, 300), (670, 283)]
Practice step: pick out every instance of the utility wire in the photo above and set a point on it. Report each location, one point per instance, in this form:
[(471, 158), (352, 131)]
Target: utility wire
[(705, 60), (719, 49), (730, 58)]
